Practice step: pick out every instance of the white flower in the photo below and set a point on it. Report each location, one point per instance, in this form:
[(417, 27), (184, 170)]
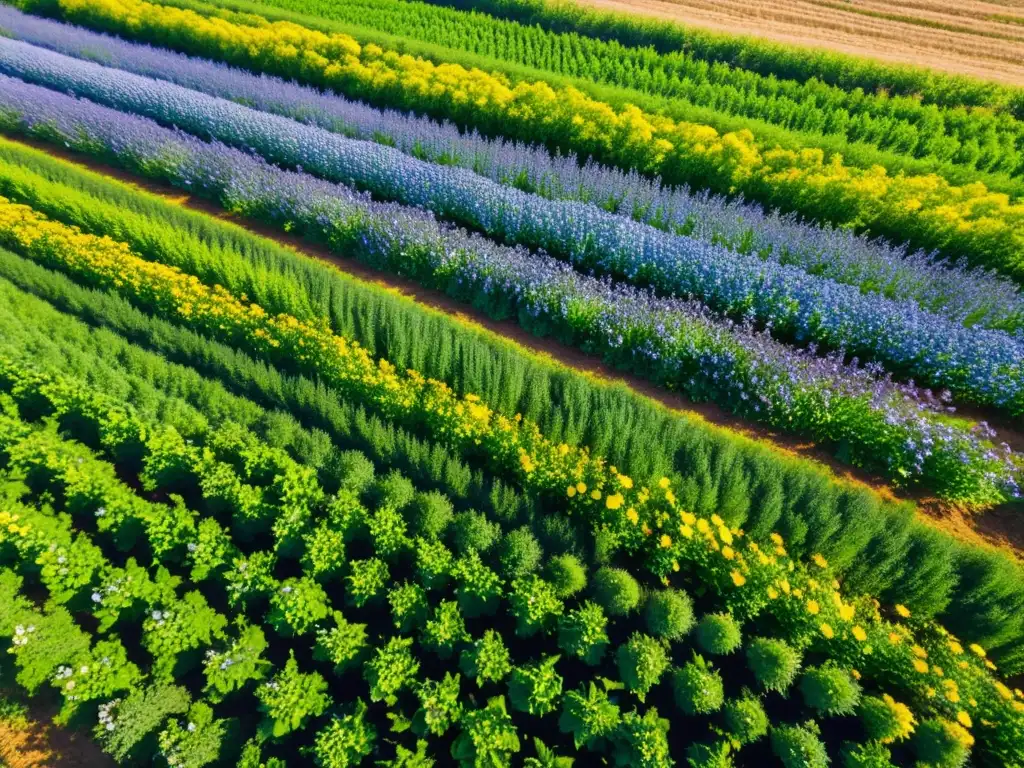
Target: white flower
[(191, 727)]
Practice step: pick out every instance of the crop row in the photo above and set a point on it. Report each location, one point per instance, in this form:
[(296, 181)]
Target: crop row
[(165, 458), (979, 366), (540, 465), (654, 336), (877, 549), (902, 125), (970, 298), (968, 222), (768, 58)]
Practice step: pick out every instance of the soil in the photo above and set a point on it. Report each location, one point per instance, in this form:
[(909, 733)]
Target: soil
[(1002, 528), (37, 743), (981, 39)]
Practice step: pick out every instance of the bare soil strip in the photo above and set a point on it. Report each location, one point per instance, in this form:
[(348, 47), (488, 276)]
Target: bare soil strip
[(981, 39)]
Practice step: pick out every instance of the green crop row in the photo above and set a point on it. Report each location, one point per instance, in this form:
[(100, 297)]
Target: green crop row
[(166, 461)]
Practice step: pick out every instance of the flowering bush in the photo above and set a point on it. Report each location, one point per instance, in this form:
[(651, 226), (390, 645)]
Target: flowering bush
[(296, 606), (175, 630), (698, 687), (237, 665), (194, 741)]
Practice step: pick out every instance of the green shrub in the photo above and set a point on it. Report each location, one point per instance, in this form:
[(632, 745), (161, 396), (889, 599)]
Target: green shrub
[(394, 490), (871, 755), (355, 470), (583, 633), (698, 687), (589, 716), (431, 514), (714, 755), (799, 746), (567, 575), (439, 708), (942, 744), (194, 742), (773, 662), (641, 662), (668, 613), (535, 688), (346, 740), (830, 690), (344, 645), (408, 606), (296, 606), (392, 668), (719, 634), (745, 719), (616, 591), (290, 698), (642, 741), (487, 660), (535, 606), (488, 737), (446, 630), (519, 554), (471, 530)]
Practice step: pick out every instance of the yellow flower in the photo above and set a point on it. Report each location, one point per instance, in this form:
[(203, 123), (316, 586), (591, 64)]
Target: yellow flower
[(632, 516), (953, 696), (990, 664), (918, 651), (570, 491), (855, 673), (773, 593), (820, 561), (728, 553), (725, 535), (738, 578), (964, 719), (614, 501), (812, 607), (847, 612), (920, 666), (702, 525), (663, 483), (776, 539), (955, 647), (581, 487), (826, 630), (666, 541), (859, 633), (595, 495), (718, 522), (977, 650), (686, 531), (784, 584), (902, 610), (894, 638), (688, 518), (626, 482)]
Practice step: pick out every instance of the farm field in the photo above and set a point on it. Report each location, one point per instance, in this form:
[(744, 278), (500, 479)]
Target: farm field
[(982, 39), (389, 383)]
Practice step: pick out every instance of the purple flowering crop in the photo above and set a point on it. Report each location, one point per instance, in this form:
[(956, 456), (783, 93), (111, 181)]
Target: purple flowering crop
[(977, 365), (671, 341)]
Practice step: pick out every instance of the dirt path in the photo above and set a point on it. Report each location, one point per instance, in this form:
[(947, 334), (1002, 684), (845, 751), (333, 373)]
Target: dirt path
[(981, 39), (38, 744), (1004, 531)]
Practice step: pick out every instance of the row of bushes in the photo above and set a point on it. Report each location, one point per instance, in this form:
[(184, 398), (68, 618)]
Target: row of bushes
[(968, 222), (869, 541), (901, 125), (165, 459), (671, 342), (976, 365), (543, 466)]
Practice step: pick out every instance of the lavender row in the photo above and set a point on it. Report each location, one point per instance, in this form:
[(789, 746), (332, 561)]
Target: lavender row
[(883, 426), (979, 365), (961, 296)]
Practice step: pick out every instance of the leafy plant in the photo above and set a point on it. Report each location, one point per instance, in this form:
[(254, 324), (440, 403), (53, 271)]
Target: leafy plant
[(942, 743), (535, 606), (519, 554), (434, 563), (799, 746), (346, 740), (487, 660), (830, 690), (195, 741), (616, 591), (719, 634), (487, 737), (535, 688), (885, 719), (773, 662), (431, 514), (344, 645), (583, 633), (479, 588), (391, 669), (366, 580), (669, 614), (589, 716), (124, 724), (642, 741), (290, 698), (440, 707), (698, 687), (473, 531), (446, 630), (233, 668), (408, 606), (745, 719), (567, 575), (296, 606), (641, 662)]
